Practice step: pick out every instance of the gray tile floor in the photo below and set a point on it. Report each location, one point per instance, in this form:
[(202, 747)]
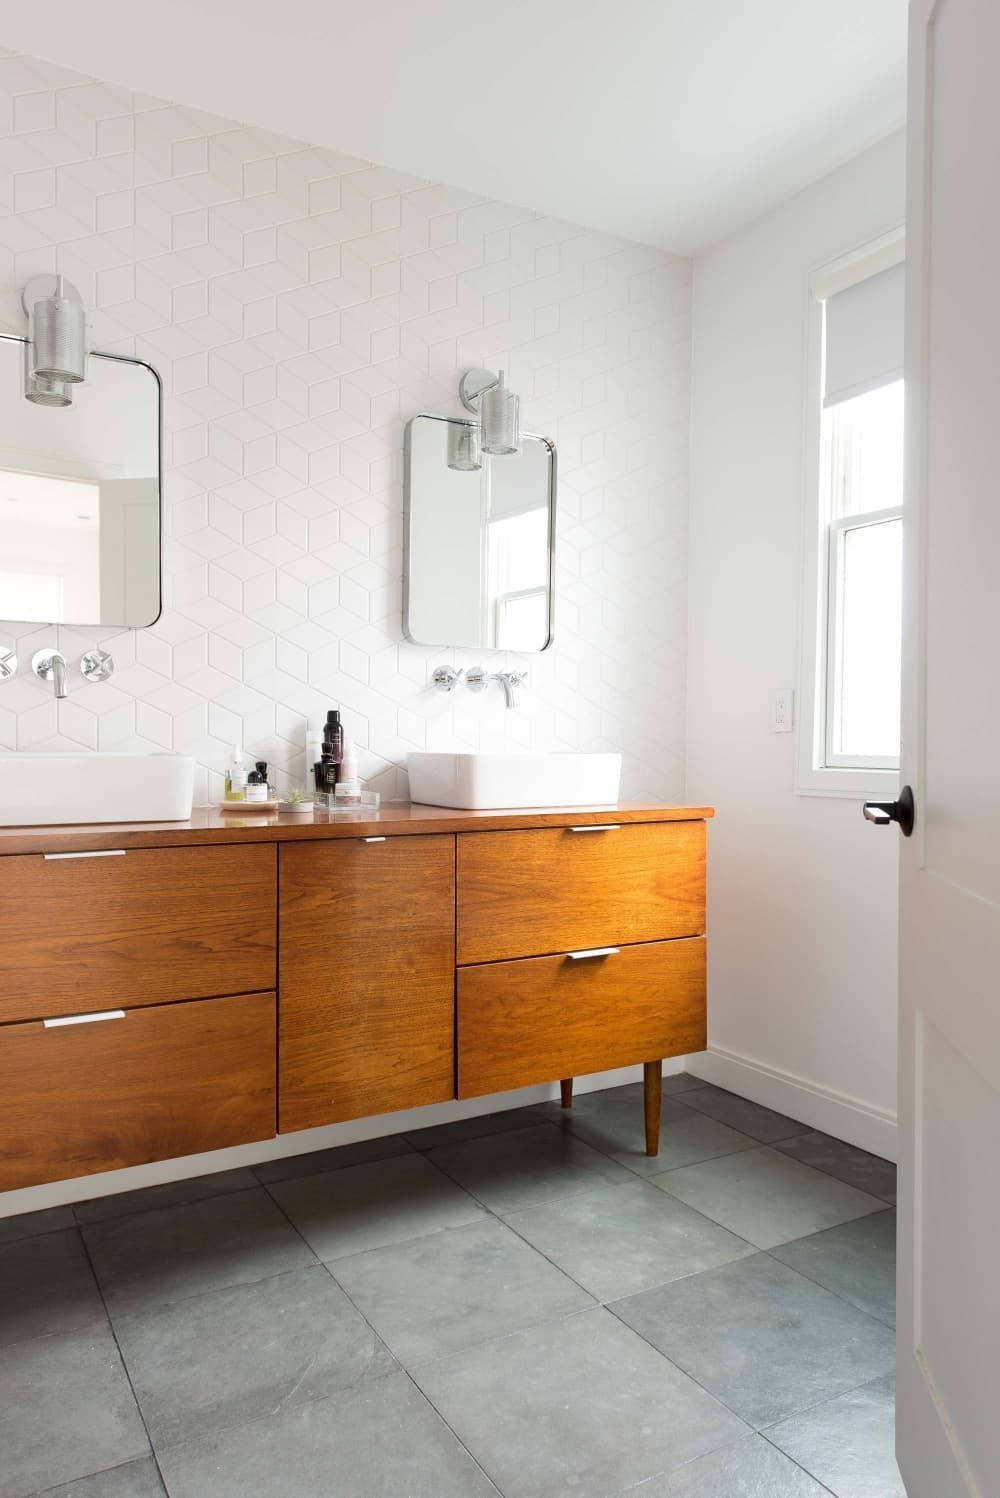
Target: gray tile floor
[(522, 1304)]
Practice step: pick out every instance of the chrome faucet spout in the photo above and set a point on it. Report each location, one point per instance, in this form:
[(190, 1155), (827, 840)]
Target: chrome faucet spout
[(477, 678), (49, 665)]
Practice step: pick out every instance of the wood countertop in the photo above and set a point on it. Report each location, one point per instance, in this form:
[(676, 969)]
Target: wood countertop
[(208, 825)]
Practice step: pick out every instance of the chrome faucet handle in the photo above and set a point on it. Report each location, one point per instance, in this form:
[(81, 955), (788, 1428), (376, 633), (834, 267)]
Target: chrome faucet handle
[(50, 665), (8, 663), (98, 665), (477, 678), (446, 678)]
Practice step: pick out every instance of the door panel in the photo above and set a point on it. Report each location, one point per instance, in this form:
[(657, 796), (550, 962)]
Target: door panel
[(367, 977), (948, 1440)]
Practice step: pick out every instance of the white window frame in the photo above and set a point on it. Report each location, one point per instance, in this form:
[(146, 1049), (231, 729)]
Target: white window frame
[(815, 776)]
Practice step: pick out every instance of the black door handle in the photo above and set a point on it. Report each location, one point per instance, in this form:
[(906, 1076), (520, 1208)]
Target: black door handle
[(902, 811)]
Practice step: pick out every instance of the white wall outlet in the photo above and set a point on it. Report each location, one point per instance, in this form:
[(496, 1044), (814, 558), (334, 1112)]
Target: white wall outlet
[(783, 711)]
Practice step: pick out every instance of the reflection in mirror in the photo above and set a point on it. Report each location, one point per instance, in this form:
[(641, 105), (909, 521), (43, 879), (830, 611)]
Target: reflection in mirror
[(479, 540), (80, 497)]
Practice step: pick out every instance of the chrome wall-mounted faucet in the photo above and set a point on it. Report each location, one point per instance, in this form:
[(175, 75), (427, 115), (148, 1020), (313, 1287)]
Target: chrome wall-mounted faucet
[(477, 679), (446, 678), (49, 665)]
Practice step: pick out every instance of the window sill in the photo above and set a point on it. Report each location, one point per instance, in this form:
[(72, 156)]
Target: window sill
[(855, 785)]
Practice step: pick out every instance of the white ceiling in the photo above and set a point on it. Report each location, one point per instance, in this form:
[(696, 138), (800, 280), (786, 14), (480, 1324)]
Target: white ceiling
[(669, 121)]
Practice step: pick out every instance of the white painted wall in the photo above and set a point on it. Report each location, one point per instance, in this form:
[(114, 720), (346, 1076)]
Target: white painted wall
[(802, 892)]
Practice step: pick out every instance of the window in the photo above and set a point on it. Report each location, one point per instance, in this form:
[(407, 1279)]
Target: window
[(864, 552), (849, 733)]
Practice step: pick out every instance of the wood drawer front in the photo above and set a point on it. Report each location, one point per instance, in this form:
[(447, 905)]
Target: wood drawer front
[(546, 1017), (142, 927), (170, 1080), (367, 986), (526, 893)]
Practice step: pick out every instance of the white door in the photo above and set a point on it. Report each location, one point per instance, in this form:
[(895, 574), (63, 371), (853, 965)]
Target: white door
[(949, 1305)]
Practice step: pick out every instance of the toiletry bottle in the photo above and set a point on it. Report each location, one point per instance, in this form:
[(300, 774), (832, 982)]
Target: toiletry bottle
[(348, 789), (333, 752), (257, 783), (236, 776), (314, 747)]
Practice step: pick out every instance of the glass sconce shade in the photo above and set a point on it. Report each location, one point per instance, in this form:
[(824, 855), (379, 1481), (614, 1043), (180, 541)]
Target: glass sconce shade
[(42, 391), (464, 455), (498, 418)]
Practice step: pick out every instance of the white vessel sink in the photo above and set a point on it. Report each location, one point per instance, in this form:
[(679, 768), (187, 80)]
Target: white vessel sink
[(55, 789), (501, 782)]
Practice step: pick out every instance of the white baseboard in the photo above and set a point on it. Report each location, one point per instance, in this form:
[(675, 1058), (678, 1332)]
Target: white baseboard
[(111, 1182), (835, 1113)]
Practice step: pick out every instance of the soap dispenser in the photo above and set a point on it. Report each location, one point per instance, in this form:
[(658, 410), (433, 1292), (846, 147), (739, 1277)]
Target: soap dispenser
[(236, 776)]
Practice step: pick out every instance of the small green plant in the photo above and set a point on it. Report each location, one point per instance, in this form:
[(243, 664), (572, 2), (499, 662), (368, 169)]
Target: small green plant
[(298, 797)]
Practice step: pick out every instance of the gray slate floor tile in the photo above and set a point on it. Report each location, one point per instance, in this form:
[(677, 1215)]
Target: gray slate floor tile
[(380, 1440), (680, 1081), (749, 1469), (170, 1194), (740, 1113), (856, 1167), (474, 1128), (66, 1410), (848, 1442), (763, 1339), (612, 1122), (345, 1212), (158, 1257), (765, 1197), (580, 1407), (134, 1480), (509, 1172), (31, 1224), (238, 1354), (46, 1285), (857, 1261), (621, 1239), (435, 1295), (339, 1158)]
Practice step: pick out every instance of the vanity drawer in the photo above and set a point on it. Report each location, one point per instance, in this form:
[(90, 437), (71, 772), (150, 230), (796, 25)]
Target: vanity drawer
[(140, 927), (563, 1016), (170, 1080), (558, 889)]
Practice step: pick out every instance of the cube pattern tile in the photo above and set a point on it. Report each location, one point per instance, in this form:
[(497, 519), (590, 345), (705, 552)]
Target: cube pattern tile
[(300, 306)]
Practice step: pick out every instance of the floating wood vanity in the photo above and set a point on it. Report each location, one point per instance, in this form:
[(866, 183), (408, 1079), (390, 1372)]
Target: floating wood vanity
[(183, 987)]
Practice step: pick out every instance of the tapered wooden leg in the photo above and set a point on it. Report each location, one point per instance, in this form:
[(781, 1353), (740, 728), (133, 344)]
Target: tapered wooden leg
[(566, 1092), (652, 1089)]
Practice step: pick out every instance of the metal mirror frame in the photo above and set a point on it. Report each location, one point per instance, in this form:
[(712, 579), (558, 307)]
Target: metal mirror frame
[(550, 579), (140, 364)]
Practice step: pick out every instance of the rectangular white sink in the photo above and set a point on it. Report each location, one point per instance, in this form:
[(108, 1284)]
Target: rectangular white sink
[(507, 781), (38, 790)]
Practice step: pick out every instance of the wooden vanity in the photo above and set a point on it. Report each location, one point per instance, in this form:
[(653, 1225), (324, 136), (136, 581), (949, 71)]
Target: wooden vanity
[(175, 988)]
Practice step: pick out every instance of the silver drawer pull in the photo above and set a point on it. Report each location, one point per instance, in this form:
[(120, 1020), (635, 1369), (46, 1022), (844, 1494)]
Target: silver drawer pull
[(103, 853), (373, 839), (594, 952), (599, 827), (83, 1019)]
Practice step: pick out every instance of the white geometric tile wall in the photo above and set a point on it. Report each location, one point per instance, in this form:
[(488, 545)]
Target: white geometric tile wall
[(300, 306)]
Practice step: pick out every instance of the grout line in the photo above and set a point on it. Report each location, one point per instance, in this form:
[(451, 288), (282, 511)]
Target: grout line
[(125, 1368), (450, 1428)]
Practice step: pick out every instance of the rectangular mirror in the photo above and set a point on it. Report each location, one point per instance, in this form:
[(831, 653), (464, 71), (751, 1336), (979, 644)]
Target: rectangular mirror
[(80, 497), (479, 542)]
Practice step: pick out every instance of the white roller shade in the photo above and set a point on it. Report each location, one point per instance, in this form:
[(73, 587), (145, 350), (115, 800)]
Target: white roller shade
[(864, 336)]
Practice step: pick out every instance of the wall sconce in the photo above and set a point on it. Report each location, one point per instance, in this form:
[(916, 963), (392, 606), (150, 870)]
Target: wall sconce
[(485, 393), (56, 351)]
